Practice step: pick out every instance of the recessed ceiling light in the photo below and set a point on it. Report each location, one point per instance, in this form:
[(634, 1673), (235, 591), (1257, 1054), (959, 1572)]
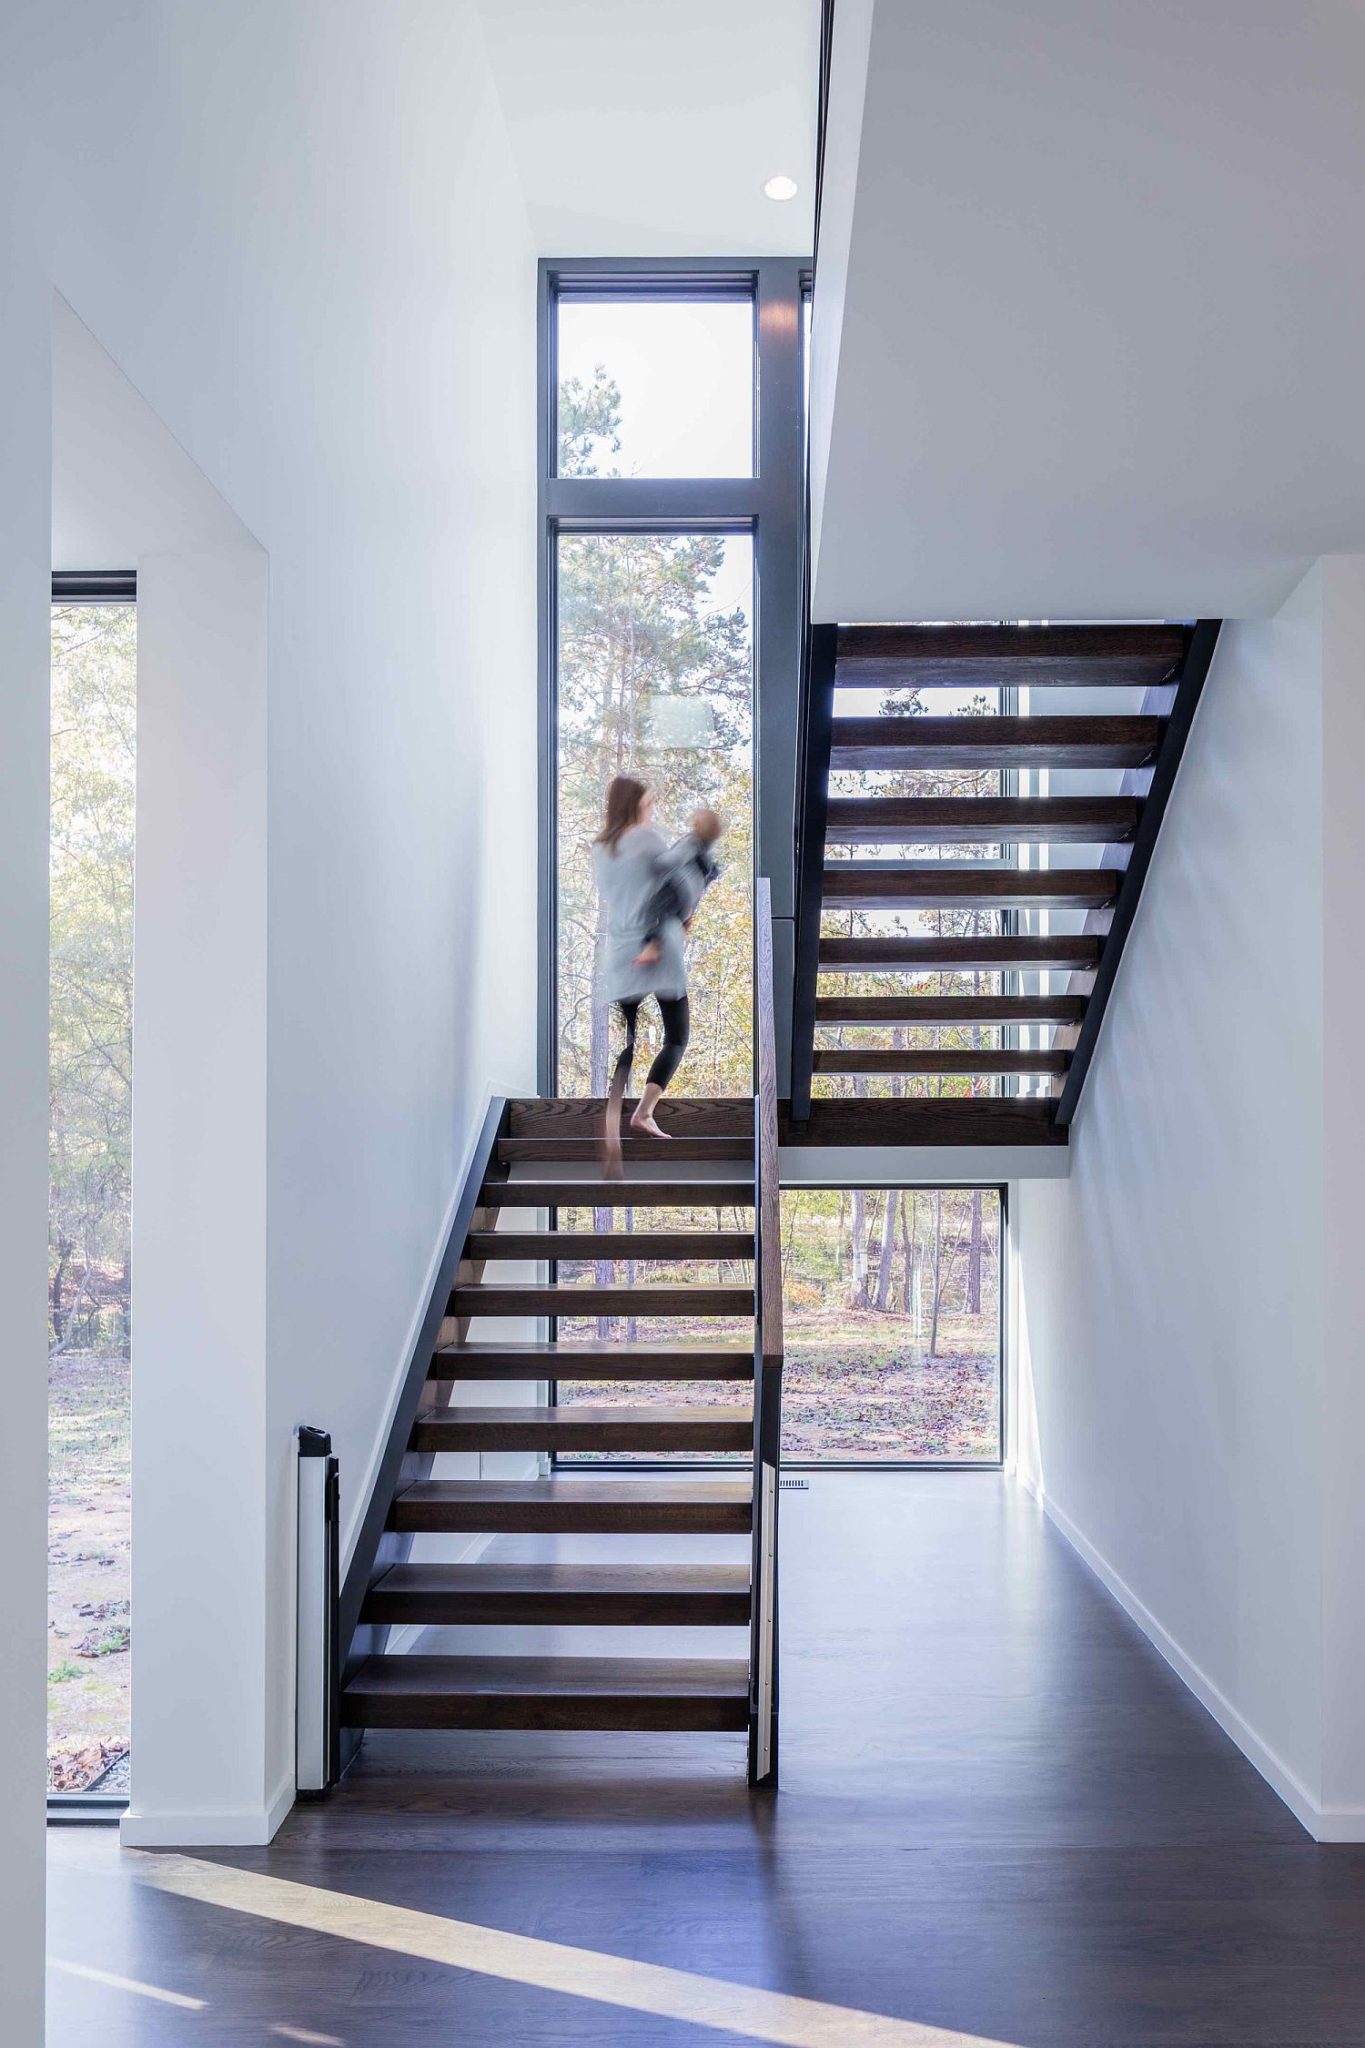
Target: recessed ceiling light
[(780, 188)]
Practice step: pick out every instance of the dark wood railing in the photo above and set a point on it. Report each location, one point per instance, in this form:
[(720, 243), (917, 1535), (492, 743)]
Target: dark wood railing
[(767, 1359)]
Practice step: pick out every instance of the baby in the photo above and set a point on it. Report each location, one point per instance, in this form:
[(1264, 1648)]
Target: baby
[(686, 872)]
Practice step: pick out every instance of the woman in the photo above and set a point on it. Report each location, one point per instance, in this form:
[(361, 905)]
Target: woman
[(637, 961)]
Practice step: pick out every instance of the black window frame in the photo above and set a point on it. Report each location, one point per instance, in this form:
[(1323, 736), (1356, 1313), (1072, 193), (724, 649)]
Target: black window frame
[(770, 505), (90, 586)]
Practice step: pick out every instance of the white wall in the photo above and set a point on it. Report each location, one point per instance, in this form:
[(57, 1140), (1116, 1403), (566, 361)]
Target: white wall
[(206, 1576), (298, 230), (25, 638), (1190, 1309)]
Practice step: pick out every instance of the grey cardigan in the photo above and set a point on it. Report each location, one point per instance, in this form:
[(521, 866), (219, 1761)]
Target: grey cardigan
[(627, 876)]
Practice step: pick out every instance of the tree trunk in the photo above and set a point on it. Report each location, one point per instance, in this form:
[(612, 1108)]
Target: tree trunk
[(938, 1272), (603, 1272), (632, 1325), (974, 1258), (857, 1292), (64, 1250), (888, 1251), (907, 1256)]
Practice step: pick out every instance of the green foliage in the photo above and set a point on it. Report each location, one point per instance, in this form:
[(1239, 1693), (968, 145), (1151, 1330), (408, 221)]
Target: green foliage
[(94, 711)]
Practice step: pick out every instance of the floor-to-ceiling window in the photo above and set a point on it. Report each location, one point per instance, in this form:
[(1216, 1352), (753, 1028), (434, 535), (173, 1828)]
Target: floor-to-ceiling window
[(672, 448), (94, 717)]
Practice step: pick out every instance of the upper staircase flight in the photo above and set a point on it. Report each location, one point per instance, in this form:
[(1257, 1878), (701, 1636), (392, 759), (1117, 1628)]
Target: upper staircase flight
[(941, 905)]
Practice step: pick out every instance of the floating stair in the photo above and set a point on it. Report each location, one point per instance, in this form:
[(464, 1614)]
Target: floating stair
[(562, 1595), (1032, 876), (589, 1361), (543, 1161), (582, 1427), (548, 1693), (568, 1506)]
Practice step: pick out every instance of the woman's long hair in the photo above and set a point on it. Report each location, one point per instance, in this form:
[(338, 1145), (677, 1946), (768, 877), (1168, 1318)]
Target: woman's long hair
[(624, 798)]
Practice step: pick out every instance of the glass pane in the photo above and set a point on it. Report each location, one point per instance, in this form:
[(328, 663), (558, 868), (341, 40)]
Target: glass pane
[(94, 699), (892, 1325), (655, 680), (656, 387)]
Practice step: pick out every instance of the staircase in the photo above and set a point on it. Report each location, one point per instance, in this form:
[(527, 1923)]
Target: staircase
[(1001, 942), (538, 1196)]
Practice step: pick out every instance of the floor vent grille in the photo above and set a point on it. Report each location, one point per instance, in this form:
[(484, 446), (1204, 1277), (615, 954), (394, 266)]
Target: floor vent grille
[(794, 1485)]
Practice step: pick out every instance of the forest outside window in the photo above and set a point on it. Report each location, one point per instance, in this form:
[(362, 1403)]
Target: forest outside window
[(655, 679), (893, 1326), (94, 726)]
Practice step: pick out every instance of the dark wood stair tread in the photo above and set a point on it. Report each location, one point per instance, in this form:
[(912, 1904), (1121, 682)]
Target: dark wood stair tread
[(972, 742), (964, 1010), (574, 1150), (847, 884), (927, 1120), (636, 1193), (1045, 657), (548, 1692), (580, 1116), (697, 1595), (894, 953), (843, 1060), (598, 1506), (593, 1361), (948, 820), (585, 1426), (612, 1244), (527, 1298)]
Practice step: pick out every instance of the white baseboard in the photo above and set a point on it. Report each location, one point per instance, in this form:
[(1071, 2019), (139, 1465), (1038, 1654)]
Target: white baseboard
[(1323, 1823), (241, 1828)]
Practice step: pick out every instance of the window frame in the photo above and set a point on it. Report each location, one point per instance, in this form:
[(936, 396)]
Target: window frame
[(581, 1463), (769, 505), (94, 587)]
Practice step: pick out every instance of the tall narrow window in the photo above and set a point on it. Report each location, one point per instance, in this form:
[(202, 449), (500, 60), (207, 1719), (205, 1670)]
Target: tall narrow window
[(94, 696), (669, 499)]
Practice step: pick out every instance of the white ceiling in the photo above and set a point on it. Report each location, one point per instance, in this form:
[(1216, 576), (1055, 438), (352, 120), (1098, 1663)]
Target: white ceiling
[(1090, 313), (648, 127)]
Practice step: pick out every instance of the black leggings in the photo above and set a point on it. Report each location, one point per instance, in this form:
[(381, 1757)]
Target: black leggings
[(677, 1028)]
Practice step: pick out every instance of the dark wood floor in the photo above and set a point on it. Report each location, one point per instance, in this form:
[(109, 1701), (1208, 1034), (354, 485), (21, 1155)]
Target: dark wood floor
[(1002, 1818)]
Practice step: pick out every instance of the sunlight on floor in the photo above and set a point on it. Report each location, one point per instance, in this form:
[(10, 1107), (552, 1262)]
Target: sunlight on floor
[(769, 2016), (94, 1976)]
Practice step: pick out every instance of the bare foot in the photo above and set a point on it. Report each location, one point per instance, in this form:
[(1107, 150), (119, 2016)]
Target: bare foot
[(646, 1126)]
